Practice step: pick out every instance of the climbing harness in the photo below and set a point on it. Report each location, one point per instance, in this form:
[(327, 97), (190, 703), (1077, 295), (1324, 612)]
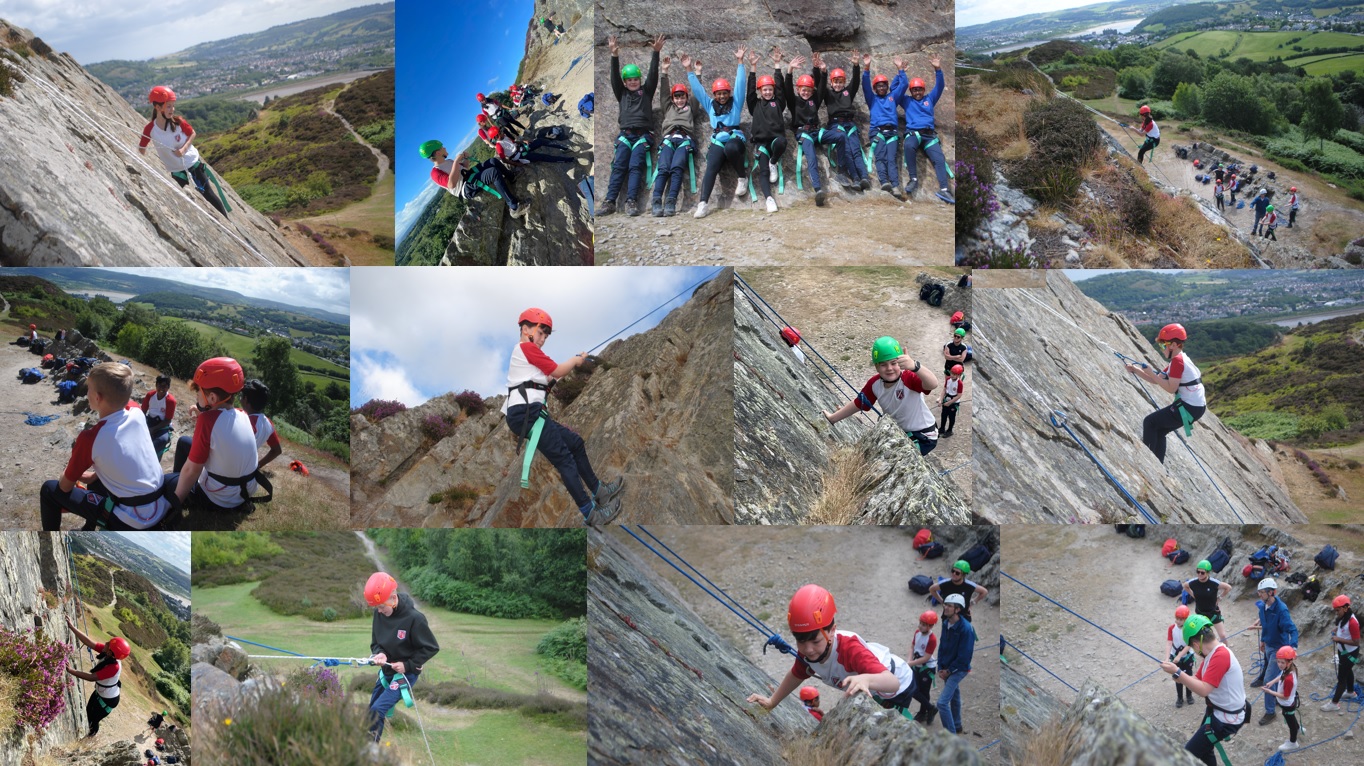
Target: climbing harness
[(691, 157), (643, 140), (187, 176), (242, 483)]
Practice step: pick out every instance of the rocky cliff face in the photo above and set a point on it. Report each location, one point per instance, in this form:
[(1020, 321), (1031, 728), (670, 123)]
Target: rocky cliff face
[(38, 595), (75, 192), (783, 444), (1043, 349), (1099, 728), (712, 29), (658, 411), (558, 229), (650, 657)]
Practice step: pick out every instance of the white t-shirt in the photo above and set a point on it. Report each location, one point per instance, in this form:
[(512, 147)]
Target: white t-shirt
[(902, 399), (1223, 672), (850, 656), (119, 447), (528, 362), (225, 444), (166, 141), (1183, 370)]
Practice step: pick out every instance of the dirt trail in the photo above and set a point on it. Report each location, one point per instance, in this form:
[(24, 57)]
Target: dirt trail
[(841, 311), (762, 566), (330, 108), (1113, 580)]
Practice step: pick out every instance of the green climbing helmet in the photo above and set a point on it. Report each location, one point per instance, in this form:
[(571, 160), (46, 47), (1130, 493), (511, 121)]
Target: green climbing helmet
[(1269, 208), (429, 148), (1195, 625), (963, 567), (886, 349), (1204, 566), (960, 332), (630, 72)]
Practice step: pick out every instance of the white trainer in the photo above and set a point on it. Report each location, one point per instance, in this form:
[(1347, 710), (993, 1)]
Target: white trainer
[(701, 210), (771, 205)]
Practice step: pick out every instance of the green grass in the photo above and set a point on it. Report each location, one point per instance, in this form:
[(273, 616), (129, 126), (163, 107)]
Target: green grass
[(240, 347), (496, 738), (1257, 46), (1333, 64)]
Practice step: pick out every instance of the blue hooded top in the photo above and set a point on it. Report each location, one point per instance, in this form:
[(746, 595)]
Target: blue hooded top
[(883, 107), (919, 114)]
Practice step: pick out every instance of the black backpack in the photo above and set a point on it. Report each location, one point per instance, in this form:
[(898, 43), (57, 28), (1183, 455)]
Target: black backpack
[(1171, 588), (1120, 528), (978, 556), (920, 584), (1327, 558), (1178, 556), (931, 550), (1219, 559), (1136, 530), (1311, 589)]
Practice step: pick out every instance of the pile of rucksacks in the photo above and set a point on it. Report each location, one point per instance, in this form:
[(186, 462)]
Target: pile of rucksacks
[(1267, 561), (977, 556)]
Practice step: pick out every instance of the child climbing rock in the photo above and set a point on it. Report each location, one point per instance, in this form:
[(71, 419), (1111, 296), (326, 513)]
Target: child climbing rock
[(899, 385), (1220, 680), (530, 376), (465, 179), (172, 135), (1151, 131), (1181, 378), (401, 642), (104, 675)]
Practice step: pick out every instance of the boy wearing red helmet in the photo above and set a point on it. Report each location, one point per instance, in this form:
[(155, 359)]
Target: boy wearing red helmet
[(125, 488), (104, 675), (172, 135), (636, 119), (809, 697), (727, 142), (882, 95), (1181, 378), (923, 649), (217, 465), (839, 658), (953, 389), (676, 152), (804, 100), (530, 376), (1151, 131), (1346, 641), (839, 94), (1284, 688), (921, 132), (767, 106), (401, 642), (1180, 653), (32, 336), (1292, 205)]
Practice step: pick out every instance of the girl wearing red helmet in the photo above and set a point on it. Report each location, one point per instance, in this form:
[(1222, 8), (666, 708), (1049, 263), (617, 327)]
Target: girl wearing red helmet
[(1179, 653), (839, 658), (1292, 205), (1181, 378), (218, 464), (767, 105), (1346, 640), (104, 675), (921, 132), (501, 115), (804, 100), (923, 649), (953, 389), (882, 95), (172, 135), (1151, 131), (401, 642), (636, 120), (839, 94), (728, 143), (809, 697), (676, 152), (1284, 688), (530, 376)]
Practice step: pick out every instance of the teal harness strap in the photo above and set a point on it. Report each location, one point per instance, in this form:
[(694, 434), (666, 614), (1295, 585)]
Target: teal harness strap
[(1217, 743), (531, 442), (1184, 416), (781, 175), (488, 189), (649, 170), (800, 154), (222, 197), (406, 690), (691, 158)]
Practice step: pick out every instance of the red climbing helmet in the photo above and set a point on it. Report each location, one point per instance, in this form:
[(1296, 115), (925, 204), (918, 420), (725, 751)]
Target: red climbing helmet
[(838, 74), (791, 335), (480, 97), (679, 88), (220, 372), (1287, 653), (1339, 601), (1144, 110), (118, 647), (161, 95), (33, 327), (766, 80), (917, 83), (380, 588), (481, 119), (808, 693), (494, 133), (1181, 612), (721, 85), (879, 79), (805, 81), (958, 369), (536, 316), (812, 608), (929, 618), (1292, 188), (1172, 332)]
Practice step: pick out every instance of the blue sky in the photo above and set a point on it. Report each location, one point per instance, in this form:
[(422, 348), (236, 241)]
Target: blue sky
[(320, 288), (971, 12), (447, 52), (171, 547), (422, 331)]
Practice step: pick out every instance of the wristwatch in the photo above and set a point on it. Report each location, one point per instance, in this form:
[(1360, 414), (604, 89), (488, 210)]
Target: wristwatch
[(916, 366)]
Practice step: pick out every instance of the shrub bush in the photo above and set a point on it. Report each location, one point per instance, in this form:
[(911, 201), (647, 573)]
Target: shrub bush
[(1136, 210), (567, 641), (319, 682), (282, 724), (975, 170), (1061, 131), (378, 409), (443, 590), (471, 402), (1045, 180), (437, 427), (38, 665)]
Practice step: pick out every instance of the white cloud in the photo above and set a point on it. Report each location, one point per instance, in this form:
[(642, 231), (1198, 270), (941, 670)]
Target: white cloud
[(491, 82), (376, 381), (971, 12), (413, 209), (322, 288)]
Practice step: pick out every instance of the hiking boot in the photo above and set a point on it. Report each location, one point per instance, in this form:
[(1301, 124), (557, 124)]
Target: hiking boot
[(741, 187), (819, 198), (843, 180), (631, 209), (607, 208), (772, 172), (911, 187), (932, 713), (864, 184), (946, 196), (771, 205), (701, 210), (896, 193), (602, 513), (670, 207), (607, 490), (1330, 707), (1179, 702), (1267, 718), (886, 187), (657, 208), (1257, 683)]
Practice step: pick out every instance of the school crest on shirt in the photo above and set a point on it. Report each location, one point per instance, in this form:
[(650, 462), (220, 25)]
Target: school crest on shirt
[(402, 634), (900, 393)]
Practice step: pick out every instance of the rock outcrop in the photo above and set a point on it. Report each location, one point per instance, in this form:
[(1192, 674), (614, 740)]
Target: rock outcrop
[(1039, 350), (38, 595), (658, 411), (1099, 728), (783, 444), (650, 657), (711, 30), (75, 192), (558, 229)]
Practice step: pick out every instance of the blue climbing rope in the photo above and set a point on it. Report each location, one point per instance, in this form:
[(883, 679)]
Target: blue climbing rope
[(34, 419), (707, 278), (1006, 642), (749, 288), (1065, 424), (1277, 759), (75, 588), (703, 577), (329, 662), (950, 470), (987, 747), (773, 639), (1143, 652), (1181, 438), (1157, 670)]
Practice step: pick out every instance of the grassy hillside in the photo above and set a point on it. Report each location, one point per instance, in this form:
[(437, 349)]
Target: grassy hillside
[(369, 105), (241, 346), (1258, 46), (426, 242)]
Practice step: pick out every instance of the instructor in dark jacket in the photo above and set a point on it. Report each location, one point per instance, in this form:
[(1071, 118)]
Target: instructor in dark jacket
[(401, 643)]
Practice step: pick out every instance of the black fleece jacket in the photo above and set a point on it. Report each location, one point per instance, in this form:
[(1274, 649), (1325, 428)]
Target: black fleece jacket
[(404, 635)]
